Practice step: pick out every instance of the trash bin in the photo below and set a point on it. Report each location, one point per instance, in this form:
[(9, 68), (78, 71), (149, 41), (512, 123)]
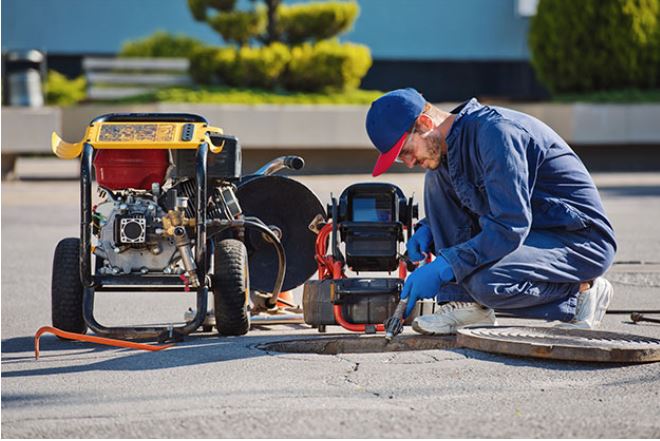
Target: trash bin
[(24, 78)]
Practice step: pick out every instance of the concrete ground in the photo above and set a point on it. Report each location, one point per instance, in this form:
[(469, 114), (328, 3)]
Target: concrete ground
[(210, 387)]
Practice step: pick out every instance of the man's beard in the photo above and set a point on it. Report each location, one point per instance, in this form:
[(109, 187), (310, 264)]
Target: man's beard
[(433, 144)]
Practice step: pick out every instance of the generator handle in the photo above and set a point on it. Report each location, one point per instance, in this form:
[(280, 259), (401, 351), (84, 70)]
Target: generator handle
[(291, 162)]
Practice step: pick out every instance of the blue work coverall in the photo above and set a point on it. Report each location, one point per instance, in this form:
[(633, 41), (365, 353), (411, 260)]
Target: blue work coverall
[(515, 213)]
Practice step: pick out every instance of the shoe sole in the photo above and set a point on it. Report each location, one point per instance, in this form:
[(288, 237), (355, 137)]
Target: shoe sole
[(452, 330), (422, 331)]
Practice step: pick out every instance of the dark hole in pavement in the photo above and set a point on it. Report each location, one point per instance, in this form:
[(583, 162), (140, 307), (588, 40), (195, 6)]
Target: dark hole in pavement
[(361, 343)]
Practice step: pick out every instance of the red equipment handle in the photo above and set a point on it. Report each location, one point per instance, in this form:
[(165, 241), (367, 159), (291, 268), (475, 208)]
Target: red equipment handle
[(352, 326), (329, 268)]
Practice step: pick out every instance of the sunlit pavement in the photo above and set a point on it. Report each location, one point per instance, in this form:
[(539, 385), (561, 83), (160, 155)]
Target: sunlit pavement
[(227, 387)]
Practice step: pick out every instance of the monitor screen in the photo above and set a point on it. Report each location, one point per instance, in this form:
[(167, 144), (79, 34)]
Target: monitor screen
[(372, 209)]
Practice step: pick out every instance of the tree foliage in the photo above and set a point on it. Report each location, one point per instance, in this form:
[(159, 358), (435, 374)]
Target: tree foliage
[(276, 45), (593, 45), (315, 21)]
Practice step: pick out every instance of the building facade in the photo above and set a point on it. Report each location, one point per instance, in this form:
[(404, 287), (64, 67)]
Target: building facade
[(448, 49)]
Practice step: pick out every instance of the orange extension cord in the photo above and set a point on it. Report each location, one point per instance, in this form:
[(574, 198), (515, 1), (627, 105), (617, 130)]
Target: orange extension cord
[(93, 339)]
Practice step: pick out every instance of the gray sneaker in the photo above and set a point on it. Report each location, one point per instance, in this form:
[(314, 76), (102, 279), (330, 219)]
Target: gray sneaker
[(591, 305), (450, 316)]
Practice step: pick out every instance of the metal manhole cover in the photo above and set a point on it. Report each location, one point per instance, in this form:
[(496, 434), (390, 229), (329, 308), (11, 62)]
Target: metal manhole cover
[(361, 343), (561, 344)]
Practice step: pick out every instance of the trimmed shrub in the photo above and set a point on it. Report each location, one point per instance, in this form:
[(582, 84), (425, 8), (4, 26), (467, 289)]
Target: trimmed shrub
[(310, 62), (327, 65), (161, 44), (592, 45), (198, 7), (260, 67), (60, 91), (225, 60), (242, 67), (239, 26), (203, 69), (315, 21)]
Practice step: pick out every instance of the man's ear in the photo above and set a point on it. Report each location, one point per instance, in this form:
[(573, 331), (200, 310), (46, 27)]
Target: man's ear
[(425, 123)]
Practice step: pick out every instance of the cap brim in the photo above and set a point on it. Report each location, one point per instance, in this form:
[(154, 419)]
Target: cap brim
[(385, 160)]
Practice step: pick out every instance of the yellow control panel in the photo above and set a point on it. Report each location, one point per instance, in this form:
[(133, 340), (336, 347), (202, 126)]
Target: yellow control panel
[(139, 135)]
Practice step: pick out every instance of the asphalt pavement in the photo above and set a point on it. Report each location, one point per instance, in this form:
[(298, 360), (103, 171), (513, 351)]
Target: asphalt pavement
[(210, 387)]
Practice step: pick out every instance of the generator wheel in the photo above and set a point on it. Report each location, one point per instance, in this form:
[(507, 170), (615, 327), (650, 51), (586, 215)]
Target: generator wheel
[(66, 287), (231, 287)]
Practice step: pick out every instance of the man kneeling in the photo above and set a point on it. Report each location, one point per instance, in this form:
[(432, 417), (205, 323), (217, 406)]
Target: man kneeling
[(512, 215)]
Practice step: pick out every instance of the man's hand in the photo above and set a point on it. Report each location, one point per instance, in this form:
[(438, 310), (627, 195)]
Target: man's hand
[(425, 281), (419, 244)]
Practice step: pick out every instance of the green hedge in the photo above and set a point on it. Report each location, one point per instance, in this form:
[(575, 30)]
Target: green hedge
[(309, 61), (203, 66), (225, 66), (240, 67), (315, 21), (326, 65), (161, 44), (239, 26), (592, 45), (260, 67), (60, 91)]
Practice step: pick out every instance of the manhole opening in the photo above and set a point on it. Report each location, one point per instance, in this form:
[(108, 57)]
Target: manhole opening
[(360, 344)]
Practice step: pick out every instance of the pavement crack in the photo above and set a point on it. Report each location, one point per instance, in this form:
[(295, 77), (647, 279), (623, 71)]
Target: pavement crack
[(392, 358), (357, 385), (355, 366), (433, 357)]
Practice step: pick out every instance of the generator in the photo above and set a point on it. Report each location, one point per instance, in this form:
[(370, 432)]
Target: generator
[(168, 216)]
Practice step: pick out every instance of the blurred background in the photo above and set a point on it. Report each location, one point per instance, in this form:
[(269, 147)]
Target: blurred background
[(296, 77)]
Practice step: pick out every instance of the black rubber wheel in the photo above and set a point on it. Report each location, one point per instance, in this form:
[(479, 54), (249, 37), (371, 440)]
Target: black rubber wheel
[(231, 287), (66, 287)]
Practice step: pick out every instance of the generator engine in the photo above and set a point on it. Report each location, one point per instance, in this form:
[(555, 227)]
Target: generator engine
[(130, 235), (141, 231)]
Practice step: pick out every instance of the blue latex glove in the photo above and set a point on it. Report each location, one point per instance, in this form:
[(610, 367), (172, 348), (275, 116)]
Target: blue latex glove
[(425, 281), (420, 243)]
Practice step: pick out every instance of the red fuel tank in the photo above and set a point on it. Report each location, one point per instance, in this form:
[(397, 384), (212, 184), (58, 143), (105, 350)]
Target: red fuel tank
[(136, 168)]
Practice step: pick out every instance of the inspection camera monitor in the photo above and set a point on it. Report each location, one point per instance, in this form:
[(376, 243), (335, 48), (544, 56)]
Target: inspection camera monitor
[(371, 219)]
